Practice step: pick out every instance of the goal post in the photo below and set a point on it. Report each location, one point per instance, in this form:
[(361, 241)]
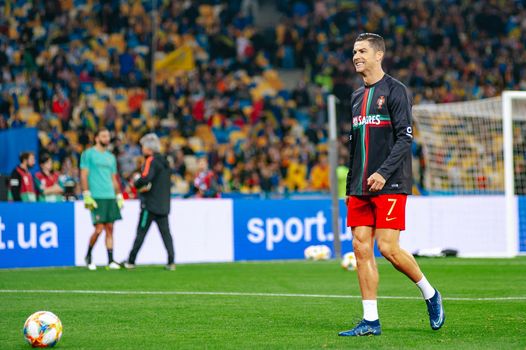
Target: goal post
[(333, 164), (513, 112), (476, 148)]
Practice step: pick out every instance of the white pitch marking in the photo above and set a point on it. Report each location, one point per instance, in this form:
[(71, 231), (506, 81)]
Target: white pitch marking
[(287, 295)]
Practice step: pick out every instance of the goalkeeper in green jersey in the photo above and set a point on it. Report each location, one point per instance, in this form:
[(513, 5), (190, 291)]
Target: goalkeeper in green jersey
[(101, 192)]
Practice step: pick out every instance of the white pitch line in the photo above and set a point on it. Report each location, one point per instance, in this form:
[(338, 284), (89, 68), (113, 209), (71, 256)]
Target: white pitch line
[(244, 294)]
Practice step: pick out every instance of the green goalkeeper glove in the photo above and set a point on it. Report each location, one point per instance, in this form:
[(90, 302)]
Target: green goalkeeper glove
[(120, 200), (89, 202)]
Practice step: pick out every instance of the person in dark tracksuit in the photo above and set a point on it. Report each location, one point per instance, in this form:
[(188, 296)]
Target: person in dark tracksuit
[(153, 186)]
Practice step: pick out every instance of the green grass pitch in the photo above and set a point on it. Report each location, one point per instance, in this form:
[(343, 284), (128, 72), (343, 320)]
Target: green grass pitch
[(271, 305)]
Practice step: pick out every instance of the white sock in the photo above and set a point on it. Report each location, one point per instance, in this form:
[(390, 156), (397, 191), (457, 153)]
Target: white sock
[(425, 287), (370, 310)]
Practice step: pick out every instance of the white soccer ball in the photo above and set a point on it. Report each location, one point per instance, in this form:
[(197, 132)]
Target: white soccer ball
[(309, 252), (349, 261), (317, 252), (43, 329)]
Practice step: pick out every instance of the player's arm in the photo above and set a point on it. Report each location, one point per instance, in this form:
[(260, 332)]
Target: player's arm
[(59, 187), (56, 188), (15, 182), (148, 173), (84, 180), (89, 202), (349, 173), (351, 156), (399, 105), (116, 185)]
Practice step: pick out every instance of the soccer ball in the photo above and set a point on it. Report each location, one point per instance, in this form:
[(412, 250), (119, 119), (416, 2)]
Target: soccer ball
[(43, 329), (349, 261), (317, 252)]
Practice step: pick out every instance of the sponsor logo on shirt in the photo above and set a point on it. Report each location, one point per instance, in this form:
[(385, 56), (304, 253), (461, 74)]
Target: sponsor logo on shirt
[(366, 120)]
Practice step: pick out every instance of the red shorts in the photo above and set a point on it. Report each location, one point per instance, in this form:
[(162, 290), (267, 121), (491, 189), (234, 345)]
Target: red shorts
[(380, 211)]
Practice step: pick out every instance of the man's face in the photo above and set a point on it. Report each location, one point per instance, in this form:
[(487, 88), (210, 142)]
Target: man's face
[(104, 138), (365, 57), (31, 161), (146, 151), (202, 164), (47, 165)]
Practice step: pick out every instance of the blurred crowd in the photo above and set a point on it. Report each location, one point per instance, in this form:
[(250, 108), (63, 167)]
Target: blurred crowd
[(445, 51), (69, 67)]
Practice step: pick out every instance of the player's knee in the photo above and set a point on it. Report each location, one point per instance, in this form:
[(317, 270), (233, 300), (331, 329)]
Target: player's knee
[(361, 249), (388, 250)]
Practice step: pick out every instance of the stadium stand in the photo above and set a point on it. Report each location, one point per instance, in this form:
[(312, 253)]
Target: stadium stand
[(69, 67)]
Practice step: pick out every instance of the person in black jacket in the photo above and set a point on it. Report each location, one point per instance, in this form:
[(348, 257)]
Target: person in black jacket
[(153, 186), (379, 180)]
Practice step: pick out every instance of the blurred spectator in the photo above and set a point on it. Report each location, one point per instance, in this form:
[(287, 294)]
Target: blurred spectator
[(319, 175), (205, 182), (5, 105), (38, 96), (110, 114), (47, 181), (62, 108), (21, 183), (296, 175), (70, 180)]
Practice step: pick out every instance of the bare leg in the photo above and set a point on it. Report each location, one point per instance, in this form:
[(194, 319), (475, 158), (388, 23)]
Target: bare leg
[(109, 235), (389, 246), (363, 244), (108, 227), (92, 241), (96, 234)]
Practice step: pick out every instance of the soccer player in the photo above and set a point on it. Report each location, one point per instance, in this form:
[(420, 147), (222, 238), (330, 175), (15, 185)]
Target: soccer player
[(153, 186), (101, 192), (379, 180), (21, 182)]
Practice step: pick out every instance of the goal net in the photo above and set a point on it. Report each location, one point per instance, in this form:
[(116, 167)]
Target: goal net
[(477, 147), (463, 146)]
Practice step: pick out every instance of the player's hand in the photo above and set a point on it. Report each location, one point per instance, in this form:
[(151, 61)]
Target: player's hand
[(145, 188), (347, 198), (120, 200), (89, 202), (375, 182), (135, 177)]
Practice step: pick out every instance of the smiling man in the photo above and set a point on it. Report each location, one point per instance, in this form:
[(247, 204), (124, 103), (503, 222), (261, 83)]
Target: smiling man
[(379, 180)]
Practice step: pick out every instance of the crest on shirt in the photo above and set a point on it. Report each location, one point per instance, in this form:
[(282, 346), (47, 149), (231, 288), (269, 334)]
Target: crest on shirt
[(380, 102)]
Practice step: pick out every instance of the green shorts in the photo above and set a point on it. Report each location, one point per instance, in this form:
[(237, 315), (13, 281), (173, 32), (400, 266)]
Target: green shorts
[(106, 212)]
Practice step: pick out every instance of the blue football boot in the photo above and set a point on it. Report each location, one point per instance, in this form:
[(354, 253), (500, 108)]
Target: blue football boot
[(364, 328), (435, 309)]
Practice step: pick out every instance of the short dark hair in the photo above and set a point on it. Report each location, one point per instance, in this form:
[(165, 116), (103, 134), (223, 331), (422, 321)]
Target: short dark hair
[(25, 156), (44, 158), (97, 133), (376, 41)]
